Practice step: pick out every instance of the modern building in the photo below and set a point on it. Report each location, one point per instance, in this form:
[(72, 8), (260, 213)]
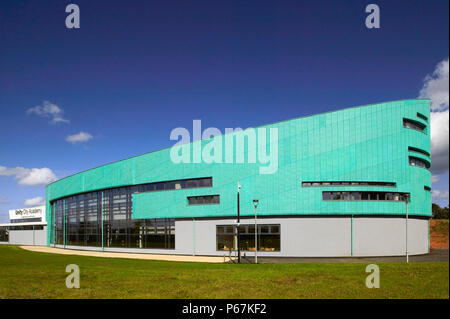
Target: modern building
[(343, 184), (27, 226)]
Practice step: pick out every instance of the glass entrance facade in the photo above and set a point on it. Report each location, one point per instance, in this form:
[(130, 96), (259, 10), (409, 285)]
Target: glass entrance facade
[(104, 218)]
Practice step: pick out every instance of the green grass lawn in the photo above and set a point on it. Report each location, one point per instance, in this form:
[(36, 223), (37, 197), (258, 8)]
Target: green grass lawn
[(25, 274)]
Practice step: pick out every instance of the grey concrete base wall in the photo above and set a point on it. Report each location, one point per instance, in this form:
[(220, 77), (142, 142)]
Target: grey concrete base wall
[(305, 237), (299, 236), (28, 237), (387, 236)]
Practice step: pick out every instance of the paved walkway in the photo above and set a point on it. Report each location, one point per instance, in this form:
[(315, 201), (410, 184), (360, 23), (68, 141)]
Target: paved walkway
[(434, 255), (44, 249)]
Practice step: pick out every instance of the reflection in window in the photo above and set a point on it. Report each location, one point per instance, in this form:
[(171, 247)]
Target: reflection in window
[(27, 220), (77, 220), (414, 125), (202, 200), (414, 161), (357, 196), (268, 237), (26, 227), (347, 183), (83, 222)]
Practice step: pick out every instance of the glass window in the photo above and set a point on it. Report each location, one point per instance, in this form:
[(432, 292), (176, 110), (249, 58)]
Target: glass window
[(413, 125), (336, 196), (201, 200), (414, 161), (356, 196), (264, 229), (83, 222), (418, 150), (326, 195), (346, 183), (345, 196), (423, 117), (77, 220), (267, 240), (274, 229)]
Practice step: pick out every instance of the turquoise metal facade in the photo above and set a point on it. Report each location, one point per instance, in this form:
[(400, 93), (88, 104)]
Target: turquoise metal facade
[(367, 143)]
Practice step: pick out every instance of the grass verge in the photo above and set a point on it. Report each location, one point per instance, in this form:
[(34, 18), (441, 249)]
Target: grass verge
[(26, 274)]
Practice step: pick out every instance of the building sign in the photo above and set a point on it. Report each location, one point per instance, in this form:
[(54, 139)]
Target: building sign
[(27, 213)]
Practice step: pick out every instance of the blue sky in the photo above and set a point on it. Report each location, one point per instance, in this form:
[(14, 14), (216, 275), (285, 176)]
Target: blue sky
[(137, 69)]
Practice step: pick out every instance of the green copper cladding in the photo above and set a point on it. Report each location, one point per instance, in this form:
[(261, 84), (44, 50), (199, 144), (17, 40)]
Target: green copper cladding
[(367, 143)]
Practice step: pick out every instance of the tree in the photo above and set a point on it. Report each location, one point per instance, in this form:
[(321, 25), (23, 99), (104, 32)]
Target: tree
[(438, 212)]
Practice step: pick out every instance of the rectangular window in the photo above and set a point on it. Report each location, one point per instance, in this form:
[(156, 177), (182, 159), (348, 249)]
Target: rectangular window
[(358, 196), (347, 183), (26, 220), (268, 237), (203, 200)]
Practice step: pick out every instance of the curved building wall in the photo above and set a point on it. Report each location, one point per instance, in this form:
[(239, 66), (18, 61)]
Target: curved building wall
[(388, 143)]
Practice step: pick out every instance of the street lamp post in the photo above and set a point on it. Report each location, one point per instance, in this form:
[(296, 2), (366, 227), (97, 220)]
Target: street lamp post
[(406, 202), (255, 203), (238, 228)]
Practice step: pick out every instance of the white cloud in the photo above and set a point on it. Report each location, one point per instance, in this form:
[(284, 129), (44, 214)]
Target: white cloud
[(439, 141), (79, 138), (35, 201), (48, 109), (435, 178), (438, 194), (436, 87), (29, 176)]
